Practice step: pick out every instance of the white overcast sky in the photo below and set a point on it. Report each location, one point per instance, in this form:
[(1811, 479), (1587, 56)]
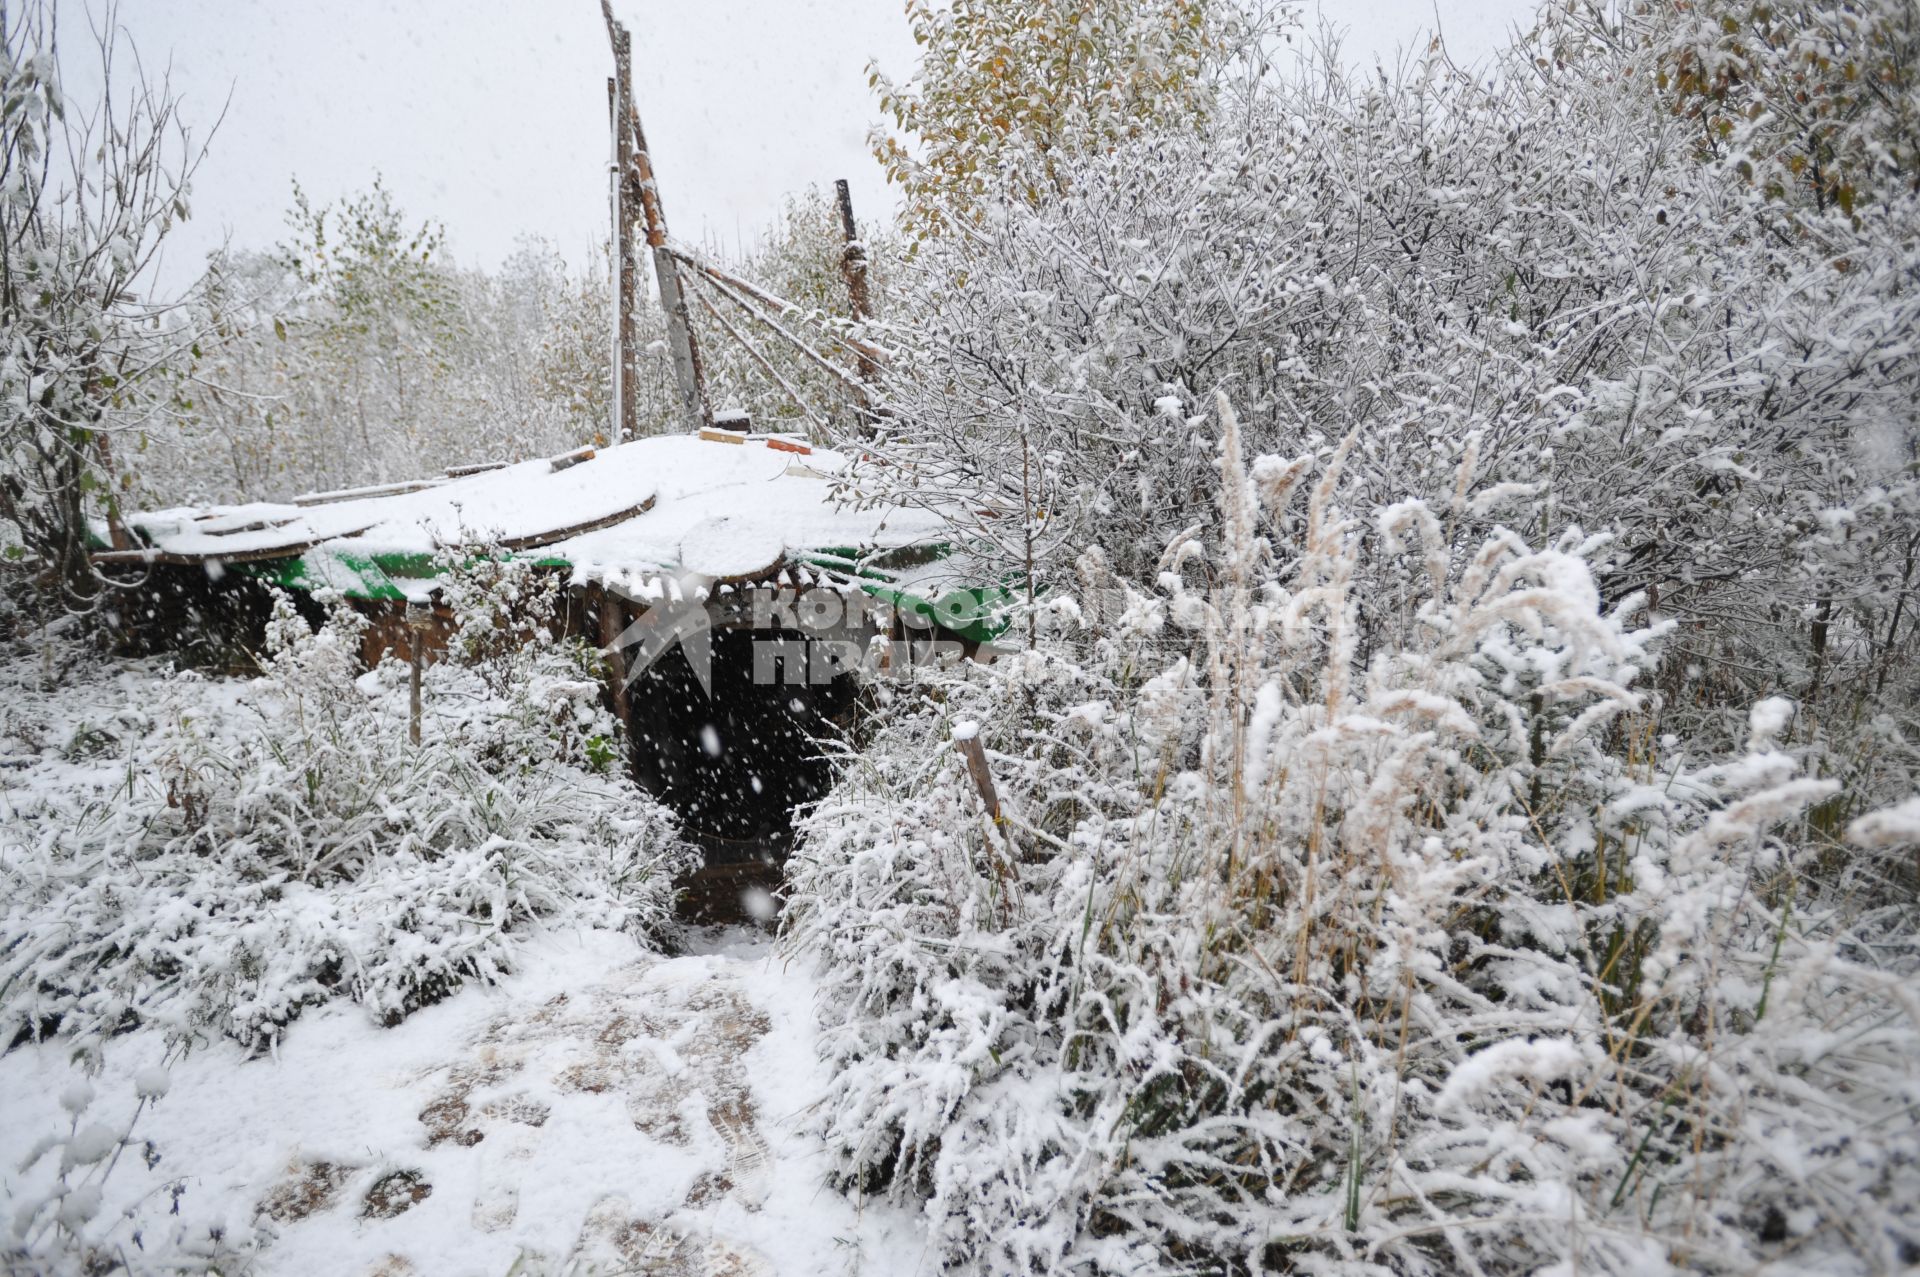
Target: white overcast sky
[(491, 115)]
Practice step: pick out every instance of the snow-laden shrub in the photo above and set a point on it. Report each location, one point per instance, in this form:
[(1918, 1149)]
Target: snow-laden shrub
[(270, 848), (1281, 959)]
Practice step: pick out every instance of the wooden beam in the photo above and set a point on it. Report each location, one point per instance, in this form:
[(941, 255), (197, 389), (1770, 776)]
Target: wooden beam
[(853, 267), (681, 342), (258, 525), (766, 365), (293, 549), (258, 554), (568, 460), (533, 541), (798, 343), (146, 558), (781, 305), (374, 490), (613, 621)]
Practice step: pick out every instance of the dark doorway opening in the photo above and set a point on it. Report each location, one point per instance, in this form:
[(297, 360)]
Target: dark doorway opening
[(735, 761)]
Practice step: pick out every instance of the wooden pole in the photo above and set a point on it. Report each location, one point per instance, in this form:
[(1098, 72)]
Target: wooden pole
[(638, 184), (681, 342), (626, 355), (117, 535), (766, 365), (715, 281), (778, 305), (418, 619), (967, 741), (853, 268)]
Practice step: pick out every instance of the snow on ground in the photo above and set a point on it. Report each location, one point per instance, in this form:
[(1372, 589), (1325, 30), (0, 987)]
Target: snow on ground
[(605, 1110)]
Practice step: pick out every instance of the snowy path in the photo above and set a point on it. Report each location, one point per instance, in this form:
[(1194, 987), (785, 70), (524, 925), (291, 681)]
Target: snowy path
[(601, 1112)]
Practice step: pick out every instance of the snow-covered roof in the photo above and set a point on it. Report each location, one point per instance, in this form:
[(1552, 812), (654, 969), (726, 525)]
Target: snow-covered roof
[(726, 508)]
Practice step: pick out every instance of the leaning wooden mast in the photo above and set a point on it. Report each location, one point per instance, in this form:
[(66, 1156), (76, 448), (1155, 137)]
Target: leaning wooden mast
[(634, 185)]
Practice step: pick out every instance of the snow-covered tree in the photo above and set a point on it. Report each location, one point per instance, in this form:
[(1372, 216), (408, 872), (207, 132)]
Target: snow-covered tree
[(1005, 90), (1811, 100), (359, 352), (1534, 270), (88, 191), (1287, 949)]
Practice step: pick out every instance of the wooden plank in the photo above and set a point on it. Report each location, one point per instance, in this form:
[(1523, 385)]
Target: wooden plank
[(754, 576), (535, 540), (257, 554), (293, 549), (479, 467), (377, 490), (142, 558), (568, 460), (258, 525)]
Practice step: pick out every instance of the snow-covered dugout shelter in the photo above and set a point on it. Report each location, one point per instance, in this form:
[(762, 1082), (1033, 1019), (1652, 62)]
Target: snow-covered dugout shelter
[(727, 580), (731, 580)]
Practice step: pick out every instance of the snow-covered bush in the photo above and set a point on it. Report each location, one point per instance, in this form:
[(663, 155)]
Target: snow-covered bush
[(267, 846), (1285, 955), (1518, 879)]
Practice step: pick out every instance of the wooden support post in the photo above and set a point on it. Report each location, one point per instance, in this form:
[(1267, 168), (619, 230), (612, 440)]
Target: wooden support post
[(853, 268), (419, 618), (637, 178), (966, 739), (626, 364), (681, 343), (613, 620), (117, 534)]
